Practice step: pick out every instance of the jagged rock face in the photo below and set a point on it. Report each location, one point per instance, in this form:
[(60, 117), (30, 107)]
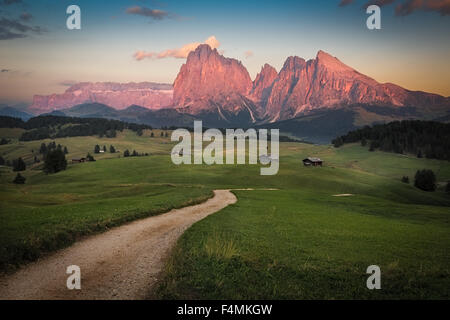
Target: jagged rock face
[(262, 86), (327, 82), (117, 95), (207, 78)]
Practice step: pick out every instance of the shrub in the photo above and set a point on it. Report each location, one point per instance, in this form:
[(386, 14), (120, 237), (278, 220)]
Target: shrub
[(405, 179), (126, 153), (363, 142), (2, 161), (89, 157), (112, 149), (19, 179), (425, 180), (447, 187), (97, 149)]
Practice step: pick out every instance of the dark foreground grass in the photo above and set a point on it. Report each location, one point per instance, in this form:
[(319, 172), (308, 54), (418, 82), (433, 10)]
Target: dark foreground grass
[(292, 245)]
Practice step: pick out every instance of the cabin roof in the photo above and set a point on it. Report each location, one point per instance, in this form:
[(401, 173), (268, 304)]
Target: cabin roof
[(313, 159)]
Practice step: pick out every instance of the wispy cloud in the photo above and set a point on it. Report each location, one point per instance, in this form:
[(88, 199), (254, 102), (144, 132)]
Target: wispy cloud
[(248, 54), (179, 53), (4, 70), (67, 83), (154, 14), (343, 3), (404, 8), (14, 29), (380, 3), (10, 2), (26, 16), (408, 7)]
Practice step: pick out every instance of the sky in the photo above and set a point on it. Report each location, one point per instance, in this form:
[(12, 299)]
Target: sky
[(148, 40)]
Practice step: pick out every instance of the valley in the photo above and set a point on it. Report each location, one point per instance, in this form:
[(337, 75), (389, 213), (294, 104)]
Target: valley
[(295, 242)]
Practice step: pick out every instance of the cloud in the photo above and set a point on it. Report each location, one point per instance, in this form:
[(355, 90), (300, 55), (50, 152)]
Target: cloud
[(408, 7), (67, 83), (26, 16), (248, 54), (9, 2), (343, 3), (154, 14), (4, 70), (14, 29), (179, 53), (379, 3)]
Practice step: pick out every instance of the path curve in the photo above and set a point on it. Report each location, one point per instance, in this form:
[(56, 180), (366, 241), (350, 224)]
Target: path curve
[(122, 263)]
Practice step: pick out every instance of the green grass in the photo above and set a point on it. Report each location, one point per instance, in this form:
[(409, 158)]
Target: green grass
[(298, 242)]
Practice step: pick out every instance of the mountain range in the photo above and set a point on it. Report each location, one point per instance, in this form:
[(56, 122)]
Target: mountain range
[(316, 99), (117, 95)]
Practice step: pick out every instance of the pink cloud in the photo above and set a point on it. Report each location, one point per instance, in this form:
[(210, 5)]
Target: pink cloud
[(248, 54), (178, 53)]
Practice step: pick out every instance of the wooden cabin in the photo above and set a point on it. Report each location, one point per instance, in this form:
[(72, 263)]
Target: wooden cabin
[(78, 160), (314, 162)]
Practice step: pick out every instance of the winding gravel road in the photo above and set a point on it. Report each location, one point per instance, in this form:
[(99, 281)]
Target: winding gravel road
[(122, 263)]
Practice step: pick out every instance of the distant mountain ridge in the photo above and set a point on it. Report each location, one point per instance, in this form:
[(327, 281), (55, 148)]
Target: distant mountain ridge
[(219, 91), (132, 114), (15, 113), (118, 95)]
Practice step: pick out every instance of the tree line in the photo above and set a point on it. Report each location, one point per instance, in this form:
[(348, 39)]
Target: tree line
[(428, 139), (45, 127)]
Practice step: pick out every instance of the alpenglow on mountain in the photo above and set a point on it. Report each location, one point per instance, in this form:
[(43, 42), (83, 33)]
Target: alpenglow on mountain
[(219, 90)]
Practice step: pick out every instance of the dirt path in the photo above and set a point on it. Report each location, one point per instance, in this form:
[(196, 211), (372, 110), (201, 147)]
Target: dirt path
[(122, 263)]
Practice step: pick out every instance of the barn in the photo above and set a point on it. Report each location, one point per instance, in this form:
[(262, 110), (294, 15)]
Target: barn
[(314, 162), (78, 160)]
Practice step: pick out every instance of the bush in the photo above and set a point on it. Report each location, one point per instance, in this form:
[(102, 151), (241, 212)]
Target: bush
[(89, 157), (3, 141), (126, 153), (55, 161), (19, 179), (447, 187), (19, 165), (425, 180), (112, 149), (2, 161), (338, 142), (363, 142), (97, 149), (405, 179)]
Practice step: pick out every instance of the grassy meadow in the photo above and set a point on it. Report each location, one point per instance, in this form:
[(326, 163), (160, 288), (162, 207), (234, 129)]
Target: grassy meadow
[(297, 242)]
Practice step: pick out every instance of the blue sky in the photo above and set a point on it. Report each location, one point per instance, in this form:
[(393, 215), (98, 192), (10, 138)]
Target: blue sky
[(410, 50)]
